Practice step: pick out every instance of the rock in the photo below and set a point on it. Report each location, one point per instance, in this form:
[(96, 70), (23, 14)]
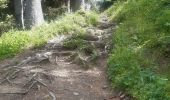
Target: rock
[(91, 37), (56, 42), (57, 39), (90, 31), (105, 87), (105, 25), (12, 90), (76, 93), (99, 32)]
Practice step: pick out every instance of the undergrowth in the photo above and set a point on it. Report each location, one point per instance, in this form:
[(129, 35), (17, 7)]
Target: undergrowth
[(92, 18), (6, 17), (141, 44), (15, 41)]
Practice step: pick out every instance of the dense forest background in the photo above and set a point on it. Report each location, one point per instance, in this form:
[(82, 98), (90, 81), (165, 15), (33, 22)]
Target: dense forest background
[(139, 53), (52, 9)]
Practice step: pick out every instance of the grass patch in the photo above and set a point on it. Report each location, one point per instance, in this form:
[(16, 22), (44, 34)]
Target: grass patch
[(15, 41), (92, 18)]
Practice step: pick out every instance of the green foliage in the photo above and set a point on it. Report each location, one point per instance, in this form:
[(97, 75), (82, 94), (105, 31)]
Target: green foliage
[(3, 7), (53, 9), (11, 43), (52, 13), (144, 26), (141, 40), (6, 18), (74, 43), (6, 24), (92, 18), (114, 10)]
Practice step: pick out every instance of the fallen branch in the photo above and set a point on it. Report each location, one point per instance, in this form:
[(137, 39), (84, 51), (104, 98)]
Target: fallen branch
[(52, 95), (23, 93)]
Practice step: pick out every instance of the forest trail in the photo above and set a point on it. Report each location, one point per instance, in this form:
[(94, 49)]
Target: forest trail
[(47, 74)]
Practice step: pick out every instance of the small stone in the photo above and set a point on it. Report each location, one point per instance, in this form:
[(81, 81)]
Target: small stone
[(81, 99), (122, 96), (104, 87), (76, 93)]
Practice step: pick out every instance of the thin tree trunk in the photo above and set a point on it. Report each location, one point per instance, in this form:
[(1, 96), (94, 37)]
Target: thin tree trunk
[(75, 5), (33, 14), (83, 5), (68, 6), (18, 6)]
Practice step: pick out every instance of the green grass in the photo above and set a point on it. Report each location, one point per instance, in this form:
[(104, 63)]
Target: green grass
[(141, 43), (14, 41), (92, 18)]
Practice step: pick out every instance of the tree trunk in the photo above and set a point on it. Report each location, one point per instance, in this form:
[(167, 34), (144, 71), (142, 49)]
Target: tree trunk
[(68, 6), (83, 5), (75, 5), (33, 14), (18, 6)]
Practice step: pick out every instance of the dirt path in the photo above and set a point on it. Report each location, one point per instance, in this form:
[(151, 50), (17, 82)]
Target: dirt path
[(46, 73)]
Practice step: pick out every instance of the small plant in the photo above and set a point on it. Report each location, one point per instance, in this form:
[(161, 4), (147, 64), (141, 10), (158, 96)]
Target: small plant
[(74, 43), (92, 18)]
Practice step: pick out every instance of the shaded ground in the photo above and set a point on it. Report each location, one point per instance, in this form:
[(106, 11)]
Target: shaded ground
[(47, 74)]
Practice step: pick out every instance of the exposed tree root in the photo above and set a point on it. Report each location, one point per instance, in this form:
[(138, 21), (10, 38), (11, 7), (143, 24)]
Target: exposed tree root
[(12, 73)]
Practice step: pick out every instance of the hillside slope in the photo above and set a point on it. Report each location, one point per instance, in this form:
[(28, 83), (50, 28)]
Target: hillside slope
[(139, 63)]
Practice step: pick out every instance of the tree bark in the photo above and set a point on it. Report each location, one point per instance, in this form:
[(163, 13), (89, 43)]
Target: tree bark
[(83, 5), (18, 6), (68, 6), (75, 5), (33, 14)]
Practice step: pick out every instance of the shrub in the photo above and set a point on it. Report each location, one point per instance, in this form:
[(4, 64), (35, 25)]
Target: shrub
[(12, 43), (6, 18), (92, 18)]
